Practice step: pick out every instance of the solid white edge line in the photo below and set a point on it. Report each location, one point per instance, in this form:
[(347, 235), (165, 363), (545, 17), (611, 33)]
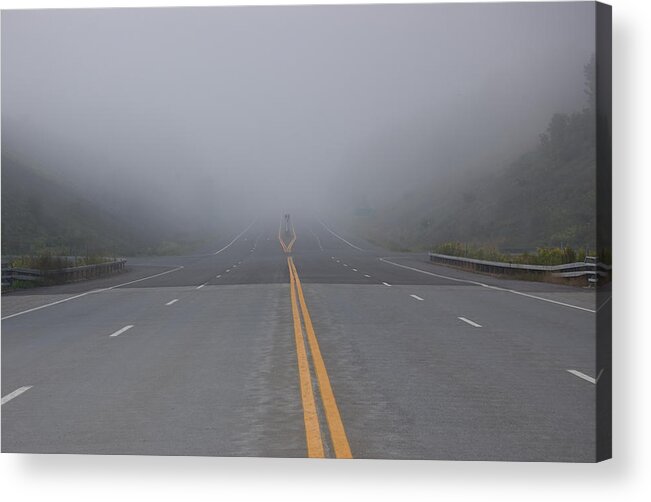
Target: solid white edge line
[(14, 394), (90, 292), (472, 323), (497, 288), (51, 304), (416, 297), (237, 237), (339, 236), (143, 279), (172, 302), (317, 238), (122, 330)]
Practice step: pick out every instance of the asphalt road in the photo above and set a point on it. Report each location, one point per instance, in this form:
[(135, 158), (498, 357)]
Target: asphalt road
[(354, 352)]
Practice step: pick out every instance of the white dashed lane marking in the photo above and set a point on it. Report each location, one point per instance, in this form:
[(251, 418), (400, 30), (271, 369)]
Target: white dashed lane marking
[(468, 321), (14, 394), (120, 331)]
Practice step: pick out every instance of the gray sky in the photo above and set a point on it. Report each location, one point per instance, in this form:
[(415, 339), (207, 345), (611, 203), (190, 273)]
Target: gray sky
[(196, 110)]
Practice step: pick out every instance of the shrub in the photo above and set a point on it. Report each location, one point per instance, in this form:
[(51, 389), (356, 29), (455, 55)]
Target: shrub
[(542, 256)]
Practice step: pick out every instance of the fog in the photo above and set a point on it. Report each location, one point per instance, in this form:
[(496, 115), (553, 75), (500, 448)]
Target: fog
[(203, 114)]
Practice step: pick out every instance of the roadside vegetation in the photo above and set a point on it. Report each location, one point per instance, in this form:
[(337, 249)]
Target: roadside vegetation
[(545, 199), (542, 256), (48, 261), (44, 217)]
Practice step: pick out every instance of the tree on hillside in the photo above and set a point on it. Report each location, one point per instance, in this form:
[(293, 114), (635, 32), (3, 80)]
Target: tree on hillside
[(590, 74), (567, 134)]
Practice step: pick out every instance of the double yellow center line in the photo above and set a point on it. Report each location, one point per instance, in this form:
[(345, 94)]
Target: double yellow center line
[(286, 247), (314, 435)]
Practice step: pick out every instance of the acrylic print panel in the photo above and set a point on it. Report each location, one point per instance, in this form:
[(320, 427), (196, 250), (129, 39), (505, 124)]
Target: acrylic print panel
[(373, 231)]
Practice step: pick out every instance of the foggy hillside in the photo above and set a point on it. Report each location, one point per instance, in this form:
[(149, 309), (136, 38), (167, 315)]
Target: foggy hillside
[(544, 198), (41, 213)]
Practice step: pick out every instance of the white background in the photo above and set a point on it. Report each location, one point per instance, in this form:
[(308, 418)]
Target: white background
[(626, 477)]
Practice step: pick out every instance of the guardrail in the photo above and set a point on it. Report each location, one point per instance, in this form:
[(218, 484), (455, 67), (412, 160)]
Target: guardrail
[(589, 269), (61, 275)]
